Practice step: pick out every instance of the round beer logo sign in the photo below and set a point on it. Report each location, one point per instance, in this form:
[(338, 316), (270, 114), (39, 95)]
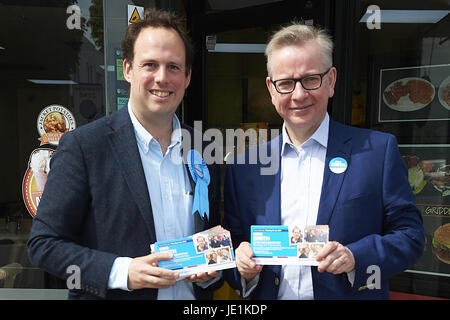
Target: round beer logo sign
[(53, 121), (35, 178)]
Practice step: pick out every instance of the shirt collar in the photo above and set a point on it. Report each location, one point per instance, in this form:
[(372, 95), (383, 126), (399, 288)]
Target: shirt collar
[(144, 138), (320, 135)]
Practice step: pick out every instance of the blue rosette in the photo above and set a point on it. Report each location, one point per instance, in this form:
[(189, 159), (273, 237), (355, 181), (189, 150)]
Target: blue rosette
[(200, 174)]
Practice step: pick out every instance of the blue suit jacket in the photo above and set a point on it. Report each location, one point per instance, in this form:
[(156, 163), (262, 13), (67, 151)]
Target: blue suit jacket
[(96, 207), (369, 208)]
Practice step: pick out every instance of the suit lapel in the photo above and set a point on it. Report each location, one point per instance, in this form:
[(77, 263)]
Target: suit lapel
[(339, 145), (123, 142)]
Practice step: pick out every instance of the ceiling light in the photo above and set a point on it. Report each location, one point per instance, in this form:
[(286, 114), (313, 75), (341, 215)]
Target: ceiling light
[(40, 81), (239, 47), (408, 16)]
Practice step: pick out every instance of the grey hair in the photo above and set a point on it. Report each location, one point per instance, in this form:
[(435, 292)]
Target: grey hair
[(299, 34)]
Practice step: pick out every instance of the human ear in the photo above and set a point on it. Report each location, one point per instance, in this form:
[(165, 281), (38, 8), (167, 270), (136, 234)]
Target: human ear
[(127, 70)]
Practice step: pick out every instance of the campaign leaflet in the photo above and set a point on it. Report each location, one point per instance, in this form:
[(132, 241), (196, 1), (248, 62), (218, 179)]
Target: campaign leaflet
[(205, 251), (288, 245)]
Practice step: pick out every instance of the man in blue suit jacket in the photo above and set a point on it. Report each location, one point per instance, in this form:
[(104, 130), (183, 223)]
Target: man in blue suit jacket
[(375, 229), (113, 190)]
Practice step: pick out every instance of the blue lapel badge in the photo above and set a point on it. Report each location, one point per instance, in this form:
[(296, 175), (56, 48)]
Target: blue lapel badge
[(338, 165)]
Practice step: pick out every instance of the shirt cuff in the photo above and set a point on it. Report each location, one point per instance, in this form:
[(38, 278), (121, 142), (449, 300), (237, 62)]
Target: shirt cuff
[(351, 277), (206, 284), (249, 286), (118, 277)]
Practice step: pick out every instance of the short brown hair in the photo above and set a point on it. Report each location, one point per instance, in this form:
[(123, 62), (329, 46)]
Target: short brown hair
[(157, 18)]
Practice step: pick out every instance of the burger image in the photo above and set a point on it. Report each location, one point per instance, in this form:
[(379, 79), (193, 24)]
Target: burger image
[(441, 243)]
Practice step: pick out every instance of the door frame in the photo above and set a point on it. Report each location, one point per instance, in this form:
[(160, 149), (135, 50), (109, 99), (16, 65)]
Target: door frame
[(336, 16)]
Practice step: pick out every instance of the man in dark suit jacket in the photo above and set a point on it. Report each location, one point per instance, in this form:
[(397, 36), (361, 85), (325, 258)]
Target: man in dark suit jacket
[(351, 179), (96, 212)]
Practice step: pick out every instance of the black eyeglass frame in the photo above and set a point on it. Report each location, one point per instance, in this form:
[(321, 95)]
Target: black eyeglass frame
[(274, 82)]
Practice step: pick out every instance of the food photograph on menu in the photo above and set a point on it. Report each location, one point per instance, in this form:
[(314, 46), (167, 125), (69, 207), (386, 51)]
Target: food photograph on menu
[(420, 93), (429, 178)]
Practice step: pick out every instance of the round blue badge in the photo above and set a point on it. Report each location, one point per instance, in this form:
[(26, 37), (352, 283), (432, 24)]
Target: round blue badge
[(338, 165)]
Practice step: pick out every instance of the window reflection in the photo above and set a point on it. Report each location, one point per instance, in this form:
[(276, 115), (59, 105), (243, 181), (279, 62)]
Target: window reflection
[(51, 54), (400, 78)]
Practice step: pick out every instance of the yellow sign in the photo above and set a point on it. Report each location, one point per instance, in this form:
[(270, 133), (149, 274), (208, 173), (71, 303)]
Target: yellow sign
[(135, 14)]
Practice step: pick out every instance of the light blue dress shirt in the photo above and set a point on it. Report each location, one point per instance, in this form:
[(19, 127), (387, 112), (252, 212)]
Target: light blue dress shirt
[(301, 184), (171, 199)]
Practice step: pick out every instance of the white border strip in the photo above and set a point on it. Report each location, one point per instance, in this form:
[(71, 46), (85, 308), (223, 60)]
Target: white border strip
[(424, 145), (429, 273)]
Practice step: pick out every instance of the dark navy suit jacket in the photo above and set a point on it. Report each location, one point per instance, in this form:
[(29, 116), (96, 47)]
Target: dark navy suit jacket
[(96, 207), (369, 208)]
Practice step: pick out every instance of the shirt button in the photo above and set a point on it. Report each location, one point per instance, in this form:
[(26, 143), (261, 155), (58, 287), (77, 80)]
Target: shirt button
[(277, 281)]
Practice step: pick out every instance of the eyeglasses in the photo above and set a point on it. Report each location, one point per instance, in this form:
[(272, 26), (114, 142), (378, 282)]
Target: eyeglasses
[(310, 82)]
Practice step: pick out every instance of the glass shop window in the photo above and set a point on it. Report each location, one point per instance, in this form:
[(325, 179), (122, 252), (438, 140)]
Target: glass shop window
[(52, 66), (401, 85)]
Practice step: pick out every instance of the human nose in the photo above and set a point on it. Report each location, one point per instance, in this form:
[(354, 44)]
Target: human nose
[(161, 75), (299, 92)]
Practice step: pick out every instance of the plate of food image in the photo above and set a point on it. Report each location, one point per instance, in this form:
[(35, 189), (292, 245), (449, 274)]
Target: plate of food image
[(409, 94), (441, 180), (444, 93)]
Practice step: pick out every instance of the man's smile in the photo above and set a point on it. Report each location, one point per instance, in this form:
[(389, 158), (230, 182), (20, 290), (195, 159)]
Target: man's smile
[(301, 108), (160, 94)]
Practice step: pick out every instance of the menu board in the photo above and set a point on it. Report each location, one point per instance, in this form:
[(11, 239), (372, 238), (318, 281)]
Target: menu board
[(420, 93), (429, 178)]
